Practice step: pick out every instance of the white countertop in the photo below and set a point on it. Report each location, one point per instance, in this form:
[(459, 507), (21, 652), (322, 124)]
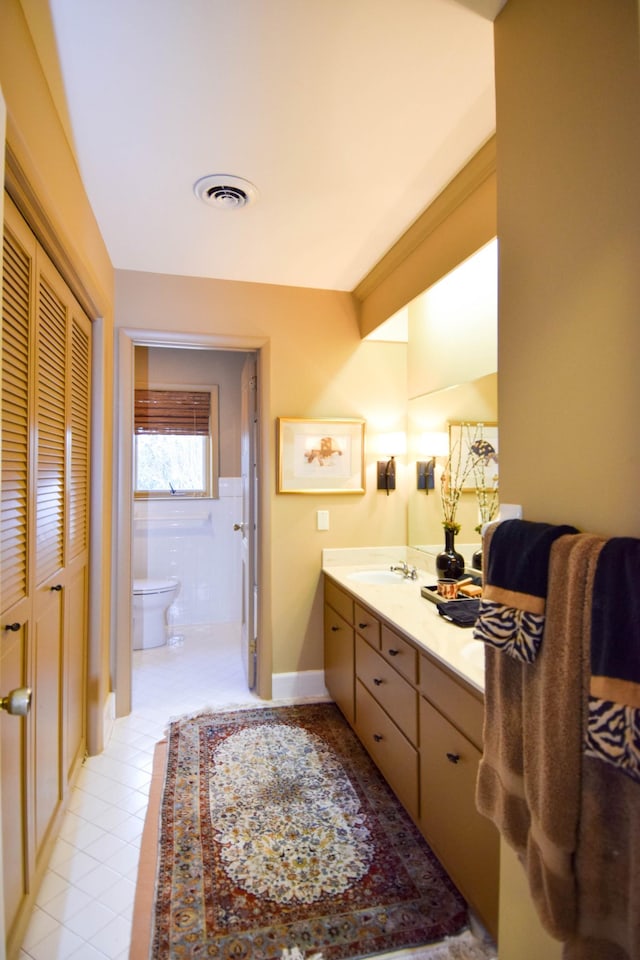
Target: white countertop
[(402, 606)]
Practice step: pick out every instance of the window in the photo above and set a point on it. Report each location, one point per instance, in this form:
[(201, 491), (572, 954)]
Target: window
[(176, 442)]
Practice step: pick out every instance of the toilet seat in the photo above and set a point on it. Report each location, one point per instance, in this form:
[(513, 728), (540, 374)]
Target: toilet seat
[(142, 588)]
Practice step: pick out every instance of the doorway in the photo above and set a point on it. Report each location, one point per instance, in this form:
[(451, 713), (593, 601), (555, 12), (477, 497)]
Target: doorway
[(253, 646)]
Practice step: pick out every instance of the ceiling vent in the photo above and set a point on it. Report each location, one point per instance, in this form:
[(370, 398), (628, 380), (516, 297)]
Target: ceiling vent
[(225, 192)]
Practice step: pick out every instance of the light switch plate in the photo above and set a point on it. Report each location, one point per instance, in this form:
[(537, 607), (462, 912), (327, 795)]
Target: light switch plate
[(322, 519)]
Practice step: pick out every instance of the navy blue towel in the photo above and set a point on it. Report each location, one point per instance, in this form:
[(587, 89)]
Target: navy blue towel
[(519, 555)]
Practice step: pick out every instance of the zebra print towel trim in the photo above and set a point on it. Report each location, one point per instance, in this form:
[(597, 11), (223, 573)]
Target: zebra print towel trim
[(510, 630), (613, 735)]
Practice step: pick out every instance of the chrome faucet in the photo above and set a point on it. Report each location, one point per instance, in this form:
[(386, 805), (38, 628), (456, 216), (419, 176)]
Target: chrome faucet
[(409, 573)]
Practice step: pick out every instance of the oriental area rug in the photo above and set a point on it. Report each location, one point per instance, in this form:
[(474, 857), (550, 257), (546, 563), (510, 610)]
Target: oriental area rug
[(276, 832)]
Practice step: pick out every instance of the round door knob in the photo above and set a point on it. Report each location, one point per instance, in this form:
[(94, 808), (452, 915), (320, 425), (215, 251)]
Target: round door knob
[(377, 681), (238, 526), (17, 702), (362, 626), (393, 653), (57, 586), (453, 757), (13, 627), (334, 628), (377, 737)]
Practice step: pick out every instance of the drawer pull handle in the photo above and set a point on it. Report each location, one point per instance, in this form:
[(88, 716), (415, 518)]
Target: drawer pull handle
[(453, 757), (57, 586), (363, 626), (378, 737), (393, 653), (335, 629), (377, 681), (13, 627)]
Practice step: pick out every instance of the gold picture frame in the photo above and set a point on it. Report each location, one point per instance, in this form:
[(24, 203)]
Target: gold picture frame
[(320, 456)]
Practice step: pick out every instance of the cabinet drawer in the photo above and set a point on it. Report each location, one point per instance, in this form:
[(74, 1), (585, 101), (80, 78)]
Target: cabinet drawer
[(464, 709), (392, 692), (400, 653), (466, 842), (338, 599), (339, 661), (389, 748), (367, 625)]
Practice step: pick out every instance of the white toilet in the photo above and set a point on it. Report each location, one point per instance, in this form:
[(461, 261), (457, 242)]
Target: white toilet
[(151, 601)]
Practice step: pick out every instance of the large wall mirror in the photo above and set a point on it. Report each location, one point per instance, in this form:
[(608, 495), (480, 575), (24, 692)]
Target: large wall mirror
[(453, 378)]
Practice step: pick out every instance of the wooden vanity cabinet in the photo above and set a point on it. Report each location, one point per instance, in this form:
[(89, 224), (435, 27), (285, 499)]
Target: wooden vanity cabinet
[(423, 728), (450, 751), (339, 665)]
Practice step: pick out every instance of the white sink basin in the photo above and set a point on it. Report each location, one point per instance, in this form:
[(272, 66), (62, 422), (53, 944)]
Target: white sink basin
[(376, 576), (474, 652)]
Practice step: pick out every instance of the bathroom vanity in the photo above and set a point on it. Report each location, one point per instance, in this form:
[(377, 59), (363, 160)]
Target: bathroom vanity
[(411, 686)]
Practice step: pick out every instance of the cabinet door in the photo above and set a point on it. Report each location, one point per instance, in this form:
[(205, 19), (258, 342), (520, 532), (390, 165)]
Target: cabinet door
[(339, 661), (466, 842), (389, 748), (393, 693)]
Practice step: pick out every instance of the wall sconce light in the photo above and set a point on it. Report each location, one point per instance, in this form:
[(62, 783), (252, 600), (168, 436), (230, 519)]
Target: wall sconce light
[(438, 445), (387, 474), (396, 444)]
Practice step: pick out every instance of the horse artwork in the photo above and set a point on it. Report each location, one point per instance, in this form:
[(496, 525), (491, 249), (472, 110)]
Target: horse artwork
[(323, 454)]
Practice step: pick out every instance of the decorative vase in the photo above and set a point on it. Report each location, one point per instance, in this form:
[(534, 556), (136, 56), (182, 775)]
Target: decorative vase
[(476, 559), (449, 563)]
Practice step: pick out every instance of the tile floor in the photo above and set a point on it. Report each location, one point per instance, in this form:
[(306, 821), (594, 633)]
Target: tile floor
[(83, 909)]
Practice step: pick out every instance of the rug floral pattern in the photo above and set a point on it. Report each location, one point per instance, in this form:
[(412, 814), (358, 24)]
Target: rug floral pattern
[(277, 831)]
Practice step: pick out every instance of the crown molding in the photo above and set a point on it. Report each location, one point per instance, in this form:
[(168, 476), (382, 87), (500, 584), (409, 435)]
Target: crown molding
[(481, 166)]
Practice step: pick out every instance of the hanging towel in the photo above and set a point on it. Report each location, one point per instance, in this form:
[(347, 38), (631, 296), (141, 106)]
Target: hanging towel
[(535, 712), (608, 849), (512, 608), (613, 732)]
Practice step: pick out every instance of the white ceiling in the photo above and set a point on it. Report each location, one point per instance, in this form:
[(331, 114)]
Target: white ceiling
[(349, 116)]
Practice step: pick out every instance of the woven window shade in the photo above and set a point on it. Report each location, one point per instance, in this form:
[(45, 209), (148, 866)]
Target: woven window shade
[(175, 412)]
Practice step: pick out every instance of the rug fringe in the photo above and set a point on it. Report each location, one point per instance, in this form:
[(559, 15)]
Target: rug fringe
[(463, 946), (244, 705), (295, 954)]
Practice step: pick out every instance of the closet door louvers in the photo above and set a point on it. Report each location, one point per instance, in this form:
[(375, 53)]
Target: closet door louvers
[(51, 417), (16, 310)]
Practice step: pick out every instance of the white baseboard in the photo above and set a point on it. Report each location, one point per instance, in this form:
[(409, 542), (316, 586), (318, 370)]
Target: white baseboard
[(306, 683), (108, 718)]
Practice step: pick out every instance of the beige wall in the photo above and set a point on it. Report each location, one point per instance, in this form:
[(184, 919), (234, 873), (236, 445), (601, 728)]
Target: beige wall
[(43, 178), (568, 139), (319, 367), (568, 82)]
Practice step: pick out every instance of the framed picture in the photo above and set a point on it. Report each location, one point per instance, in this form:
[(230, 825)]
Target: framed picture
[(473, 455), (320, 456)]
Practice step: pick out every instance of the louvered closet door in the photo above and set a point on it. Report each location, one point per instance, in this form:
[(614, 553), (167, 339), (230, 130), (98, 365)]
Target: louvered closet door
[(77, 537), (50, 576), (17, 309), (44, 541)]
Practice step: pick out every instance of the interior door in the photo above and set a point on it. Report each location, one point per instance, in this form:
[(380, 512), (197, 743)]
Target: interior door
[(248, 526)]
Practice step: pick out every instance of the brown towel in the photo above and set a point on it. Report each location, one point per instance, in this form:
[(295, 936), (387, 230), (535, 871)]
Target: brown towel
[(529, 778), (607, 862)]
